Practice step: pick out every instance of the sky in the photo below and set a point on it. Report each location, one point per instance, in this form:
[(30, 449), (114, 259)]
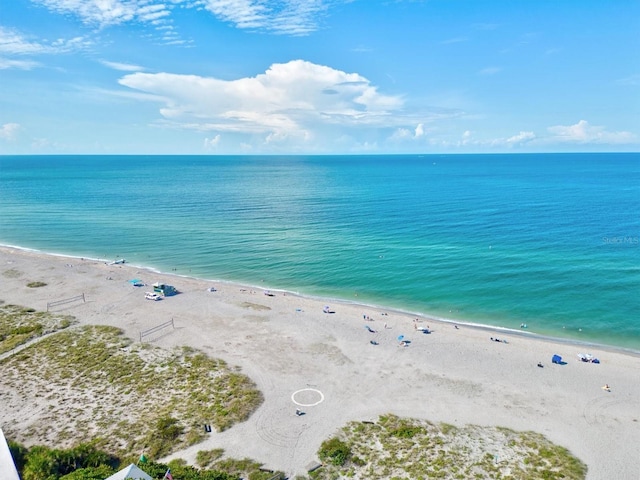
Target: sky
[(271, 77)]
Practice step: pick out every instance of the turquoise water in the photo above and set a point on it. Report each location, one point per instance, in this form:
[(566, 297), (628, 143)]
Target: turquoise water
[(550, 240)]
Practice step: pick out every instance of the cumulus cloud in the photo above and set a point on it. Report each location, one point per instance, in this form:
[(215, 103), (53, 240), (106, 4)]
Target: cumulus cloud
[(211, 143), (521, 138), (289, 99), (8, 131), (470, 139), (405, 133), (582, 132)]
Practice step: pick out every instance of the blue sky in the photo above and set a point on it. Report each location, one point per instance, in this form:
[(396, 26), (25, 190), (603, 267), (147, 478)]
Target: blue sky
[(318, 76)]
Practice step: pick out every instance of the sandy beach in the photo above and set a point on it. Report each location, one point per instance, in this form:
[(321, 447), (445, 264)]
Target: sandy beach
[(325, 364)]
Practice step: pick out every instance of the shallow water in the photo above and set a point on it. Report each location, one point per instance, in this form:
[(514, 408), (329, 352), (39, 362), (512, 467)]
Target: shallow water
[(549, 240)]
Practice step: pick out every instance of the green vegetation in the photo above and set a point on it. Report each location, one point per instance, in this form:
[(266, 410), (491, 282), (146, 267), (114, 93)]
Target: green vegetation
[(18, 325), (206, 458), (86, 462), (400, 448), (334, 451), (128, 397), (40, 462), (12, 273), (36, 284)]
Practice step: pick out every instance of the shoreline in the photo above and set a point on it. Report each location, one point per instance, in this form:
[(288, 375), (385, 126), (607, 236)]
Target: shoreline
[(399, 311), (286, 344)]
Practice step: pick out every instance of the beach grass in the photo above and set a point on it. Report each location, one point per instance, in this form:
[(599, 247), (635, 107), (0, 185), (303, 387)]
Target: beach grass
[(18, 325), (132, 397), (403, 448)]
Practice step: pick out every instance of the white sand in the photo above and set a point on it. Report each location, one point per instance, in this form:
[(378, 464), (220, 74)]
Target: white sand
[(286, 344)]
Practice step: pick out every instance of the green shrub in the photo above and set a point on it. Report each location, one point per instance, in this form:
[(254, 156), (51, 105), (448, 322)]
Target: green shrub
[(334, 451)]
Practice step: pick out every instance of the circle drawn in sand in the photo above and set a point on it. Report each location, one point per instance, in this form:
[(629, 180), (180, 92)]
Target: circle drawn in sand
[(307, 395)]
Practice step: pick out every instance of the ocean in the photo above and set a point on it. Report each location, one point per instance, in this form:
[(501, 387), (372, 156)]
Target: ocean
[(547, 240)]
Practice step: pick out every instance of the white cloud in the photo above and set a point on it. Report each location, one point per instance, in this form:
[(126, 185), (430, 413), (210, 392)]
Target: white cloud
[(470, 139), (402, 134), (288, 100), (292, 17), (13, 43), (124, 67), (101, 12), (521, 138), (8, 131), (211, 143), (406, 134), (107, 13), (289, 17), (6, 63), (582, 132)]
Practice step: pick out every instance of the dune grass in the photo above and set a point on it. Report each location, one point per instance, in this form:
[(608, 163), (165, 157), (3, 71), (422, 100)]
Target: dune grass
[(97, 384), (19, 324), (400, 448)]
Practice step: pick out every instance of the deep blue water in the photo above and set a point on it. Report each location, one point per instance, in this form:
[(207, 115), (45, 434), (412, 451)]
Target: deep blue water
[(550, 240)]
